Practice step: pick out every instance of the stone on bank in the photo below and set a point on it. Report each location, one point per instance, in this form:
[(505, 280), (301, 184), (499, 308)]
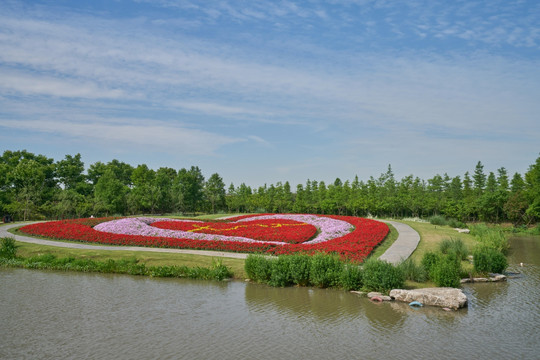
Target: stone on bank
[(443, 297)]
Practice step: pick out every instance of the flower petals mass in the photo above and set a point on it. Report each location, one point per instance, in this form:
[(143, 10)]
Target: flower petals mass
[(352, 238)]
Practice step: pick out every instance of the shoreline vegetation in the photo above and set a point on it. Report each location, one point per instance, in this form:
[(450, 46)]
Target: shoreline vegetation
[(442, 258)]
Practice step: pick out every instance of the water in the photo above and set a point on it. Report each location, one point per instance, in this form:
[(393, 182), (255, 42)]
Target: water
[(55, 315)]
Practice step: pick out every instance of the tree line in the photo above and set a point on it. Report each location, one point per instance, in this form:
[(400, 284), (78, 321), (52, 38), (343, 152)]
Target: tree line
[(37, 187)]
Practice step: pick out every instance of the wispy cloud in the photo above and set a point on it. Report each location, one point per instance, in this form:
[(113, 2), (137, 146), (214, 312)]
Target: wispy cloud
[(165, 137)]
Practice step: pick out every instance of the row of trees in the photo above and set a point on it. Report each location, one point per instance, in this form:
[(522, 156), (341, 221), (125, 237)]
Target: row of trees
[(35, 186)]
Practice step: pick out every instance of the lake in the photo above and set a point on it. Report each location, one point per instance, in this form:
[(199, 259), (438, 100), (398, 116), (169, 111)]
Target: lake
[(57, 315)]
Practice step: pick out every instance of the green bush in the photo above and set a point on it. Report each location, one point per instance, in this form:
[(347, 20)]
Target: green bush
[(456, 224), (412, 271), (454, 246), (299, 267), (429, 260), (8, 249), (219, 272), (280, 274), (351, 277), (325, 270), (437, 220), (381, 276), (258, 268), (446, 272), (486, 260)]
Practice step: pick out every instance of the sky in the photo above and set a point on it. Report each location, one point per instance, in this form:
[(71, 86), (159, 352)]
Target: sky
[(267, 91)]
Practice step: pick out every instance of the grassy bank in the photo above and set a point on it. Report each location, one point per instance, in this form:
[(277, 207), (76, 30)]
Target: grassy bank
[(149, 259)]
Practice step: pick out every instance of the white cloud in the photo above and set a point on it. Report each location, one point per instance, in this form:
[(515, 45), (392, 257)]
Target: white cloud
[(134, 133), (37, 84)]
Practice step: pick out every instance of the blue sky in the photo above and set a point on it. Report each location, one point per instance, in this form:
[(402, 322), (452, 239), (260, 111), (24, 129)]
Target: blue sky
[(268, 91)]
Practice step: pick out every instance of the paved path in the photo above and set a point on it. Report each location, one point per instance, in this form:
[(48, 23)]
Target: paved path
[(75, 245), (401, 249), (404, 245)]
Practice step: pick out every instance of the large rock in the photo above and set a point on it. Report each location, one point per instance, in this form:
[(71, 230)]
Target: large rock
[(443, 297)]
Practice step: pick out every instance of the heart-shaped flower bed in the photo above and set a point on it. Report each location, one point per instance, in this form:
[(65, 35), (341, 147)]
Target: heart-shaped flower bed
[(273, 230), (351, 237)]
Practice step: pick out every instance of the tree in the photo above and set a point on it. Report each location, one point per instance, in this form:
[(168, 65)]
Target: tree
[(145, 193), (479, 179), (214, 190), (532, 189), (165, 178), (189, 185), (28, 178), (110, 194), (70, 171)]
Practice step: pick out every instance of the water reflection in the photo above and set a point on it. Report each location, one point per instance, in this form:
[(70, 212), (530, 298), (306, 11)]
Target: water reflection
[(322, 304)]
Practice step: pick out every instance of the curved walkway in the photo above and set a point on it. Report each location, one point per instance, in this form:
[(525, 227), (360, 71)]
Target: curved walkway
[(404, 245), (400, 250), (4, 233)]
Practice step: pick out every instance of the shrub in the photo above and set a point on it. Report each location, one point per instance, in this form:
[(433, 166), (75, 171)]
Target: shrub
[(446, 272), (299, 267), (351, 277), (325, 270), (382, 276), (218, 271), (456, 224), (486, 259), (258, 268), (412, 271), (429, 260), (8, 249), (454, 246), (280, 274), (437, 220)]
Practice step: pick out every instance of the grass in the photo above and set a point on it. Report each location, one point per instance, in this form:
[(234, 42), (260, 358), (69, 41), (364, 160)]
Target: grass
[(388, 241), (431, 236), (147, 258)]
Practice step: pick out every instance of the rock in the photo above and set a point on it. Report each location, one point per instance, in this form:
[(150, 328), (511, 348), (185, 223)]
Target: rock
[(497, 277), (383, 297), (491, 278), (358, 292), (464, 231), (443, 297)]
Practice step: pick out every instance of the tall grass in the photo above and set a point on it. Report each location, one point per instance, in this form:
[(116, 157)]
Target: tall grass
[(8, 258), (490, 237), (8, 249), (454, 246), (413, 271)]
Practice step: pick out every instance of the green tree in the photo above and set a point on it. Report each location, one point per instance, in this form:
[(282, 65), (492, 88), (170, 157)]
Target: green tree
[(28, 179), (164, 181), (110, 194), (214, 190), (145, 193), (69, 171), (532, 190)]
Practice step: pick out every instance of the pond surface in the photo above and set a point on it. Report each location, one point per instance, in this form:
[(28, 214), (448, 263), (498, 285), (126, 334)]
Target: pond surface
[(56, 315)]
